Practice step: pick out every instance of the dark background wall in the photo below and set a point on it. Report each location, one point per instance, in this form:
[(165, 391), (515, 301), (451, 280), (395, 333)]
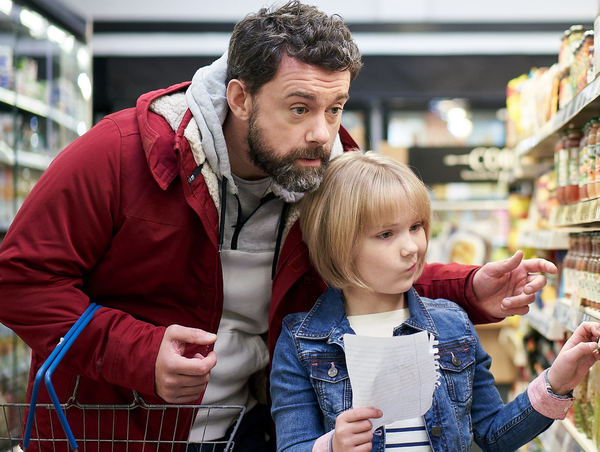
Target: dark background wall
[(407, 81)]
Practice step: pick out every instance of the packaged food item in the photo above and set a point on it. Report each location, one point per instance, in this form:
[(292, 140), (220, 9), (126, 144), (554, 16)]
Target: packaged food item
[(572, 145), (561, 166), (591, 164)]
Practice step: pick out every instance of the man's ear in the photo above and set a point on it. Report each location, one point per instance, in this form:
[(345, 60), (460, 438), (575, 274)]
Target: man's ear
[(239, 99)]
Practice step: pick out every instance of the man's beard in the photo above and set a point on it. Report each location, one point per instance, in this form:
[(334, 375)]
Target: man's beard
[(285, 170)]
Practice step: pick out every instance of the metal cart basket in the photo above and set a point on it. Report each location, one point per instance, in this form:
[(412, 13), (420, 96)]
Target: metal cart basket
[(104, 427)]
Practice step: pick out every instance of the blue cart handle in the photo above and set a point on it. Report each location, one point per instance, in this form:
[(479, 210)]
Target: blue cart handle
[(46, 370)]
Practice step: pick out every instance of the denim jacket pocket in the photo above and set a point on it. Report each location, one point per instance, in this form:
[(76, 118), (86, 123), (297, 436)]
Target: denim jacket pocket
[(457, 366), (329, 377)]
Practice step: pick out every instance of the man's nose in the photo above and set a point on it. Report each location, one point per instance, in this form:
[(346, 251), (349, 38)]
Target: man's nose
[(318, 132)]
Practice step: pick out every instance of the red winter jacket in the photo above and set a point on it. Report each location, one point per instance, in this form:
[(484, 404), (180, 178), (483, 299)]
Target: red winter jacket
[(115, 221)]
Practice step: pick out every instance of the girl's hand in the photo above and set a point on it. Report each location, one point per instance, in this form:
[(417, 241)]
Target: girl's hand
[(353, 430), (576, 357)]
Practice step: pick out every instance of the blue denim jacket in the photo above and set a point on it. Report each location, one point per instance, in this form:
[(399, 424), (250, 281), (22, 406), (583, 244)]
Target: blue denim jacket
[(307, 398)]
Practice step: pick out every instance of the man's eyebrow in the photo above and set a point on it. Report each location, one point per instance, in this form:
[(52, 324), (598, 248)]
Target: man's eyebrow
[(312, 97)]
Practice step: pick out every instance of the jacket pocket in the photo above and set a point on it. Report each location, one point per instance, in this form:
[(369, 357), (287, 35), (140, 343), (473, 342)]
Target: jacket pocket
[(329, 377), (457, 366)]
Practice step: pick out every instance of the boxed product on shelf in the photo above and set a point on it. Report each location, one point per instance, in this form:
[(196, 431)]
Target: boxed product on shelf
[(596, 56), (6, 67), (532, 99)]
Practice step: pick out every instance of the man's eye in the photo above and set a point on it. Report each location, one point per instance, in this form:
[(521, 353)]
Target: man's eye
[(299, 110), (336, 110)]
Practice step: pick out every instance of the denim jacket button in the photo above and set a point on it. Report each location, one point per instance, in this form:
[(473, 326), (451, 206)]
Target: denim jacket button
[(378, 431), (332, 372), (436, 430), (456, 360)]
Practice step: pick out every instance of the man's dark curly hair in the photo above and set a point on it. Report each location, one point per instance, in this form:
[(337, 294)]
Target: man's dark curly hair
[(302, 31)]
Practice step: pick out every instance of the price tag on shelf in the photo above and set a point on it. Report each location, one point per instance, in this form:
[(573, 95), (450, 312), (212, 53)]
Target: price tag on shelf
[(595, 216), (570, 211), (579, 213), (575, 313), (587, 213)]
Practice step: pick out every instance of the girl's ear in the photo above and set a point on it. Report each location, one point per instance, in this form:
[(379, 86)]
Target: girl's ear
[(239, 99)]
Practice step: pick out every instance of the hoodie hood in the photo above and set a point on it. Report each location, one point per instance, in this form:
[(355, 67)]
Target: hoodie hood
[(206, 99)]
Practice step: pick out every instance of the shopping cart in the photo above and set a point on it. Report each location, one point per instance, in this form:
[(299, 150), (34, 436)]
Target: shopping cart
[(157, 427)]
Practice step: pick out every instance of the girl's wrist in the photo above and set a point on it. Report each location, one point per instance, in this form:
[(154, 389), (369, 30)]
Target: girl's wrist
[(556, 389)]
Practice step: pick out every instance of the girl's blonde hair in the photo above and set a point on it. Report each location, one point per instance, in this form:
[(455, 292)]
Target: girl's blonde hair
[(359, 191)]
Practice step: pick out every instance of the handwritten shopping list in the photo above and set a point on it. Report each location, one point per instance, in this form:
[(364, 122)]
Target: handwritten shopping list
[(395, 374)]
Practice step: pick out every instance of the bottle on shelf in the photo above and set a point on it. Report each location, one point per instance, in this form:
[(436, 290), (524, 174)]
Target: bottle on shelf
[(561, 165), (582, 168), (585, 250), (568, 267), (595, 272), (572, 145), (591, 163), (597, 160)]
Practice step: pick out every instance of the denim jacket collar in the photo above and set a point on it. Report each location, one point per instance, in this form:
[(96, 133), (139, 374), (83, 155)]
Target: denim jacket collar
[(327, 319)]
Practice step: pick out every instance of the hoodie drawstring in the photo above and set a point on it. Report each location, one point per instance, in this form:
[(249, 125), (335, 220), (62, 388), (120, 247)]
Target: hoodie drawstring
[(284, 212), (223, 210), (240, 224)]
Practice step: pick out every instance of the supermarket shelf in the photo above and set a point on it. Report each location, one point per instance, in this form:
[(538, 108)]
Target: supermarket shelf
[(34, 160), (544, 239), (545, 324), (493, 204), (583, 107), (581, 213), (38, 107), (570, 317), (7, 155), (582, 440), (591, 314)]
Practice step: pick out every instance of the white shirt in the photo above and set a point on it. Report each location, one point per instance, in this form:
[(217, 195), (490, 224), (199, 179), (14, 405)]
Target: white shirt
[(409, 435)]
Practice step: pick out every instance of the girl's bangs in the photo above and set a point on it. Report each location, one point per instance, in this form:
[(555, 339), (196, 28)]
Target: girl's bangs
[(387, 203)]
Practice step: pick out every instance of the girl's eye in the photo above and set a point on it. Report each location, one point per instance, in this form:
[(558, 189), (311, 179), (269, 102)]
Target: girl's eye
[(416, 227), (384, 235)]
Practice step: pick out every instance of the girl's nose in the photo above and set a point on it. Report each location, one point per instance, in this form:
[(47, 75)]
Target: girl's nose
[(409, 247)]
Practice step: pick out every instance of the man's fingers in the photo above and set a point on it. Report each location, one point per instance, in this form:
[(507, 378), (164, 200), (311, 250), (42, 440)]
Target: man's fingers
[(534, 283), (517, 305), (507, 265), (190, 335), (538, 265), (194, 366)]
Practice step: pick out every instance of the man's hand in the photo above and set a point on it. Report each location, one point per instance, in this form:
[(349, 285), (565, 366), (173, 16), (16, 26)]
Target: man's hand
[(507, 287), (179, 379), (353, 430)]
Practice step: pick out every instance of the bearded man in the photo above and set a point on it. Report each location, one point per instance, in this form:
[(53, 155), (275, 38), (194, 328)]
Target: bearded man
[(179, 217)]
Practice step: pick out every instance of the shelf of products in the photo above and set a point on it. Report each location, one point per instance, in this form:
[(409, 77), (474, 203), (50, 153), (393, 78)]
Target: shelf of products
[(45, 103), (554, 120), (45, 95), (581, 109)]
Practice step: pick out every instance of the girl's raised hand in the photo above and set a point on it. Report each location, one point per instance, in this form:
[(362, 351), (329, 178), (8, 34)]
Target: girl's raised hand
[(575, 358), (353, 430)]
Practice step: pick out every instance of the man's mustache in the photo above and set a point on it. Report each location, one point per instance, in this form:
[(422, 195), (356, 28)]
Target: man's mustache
[(320, 153)]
